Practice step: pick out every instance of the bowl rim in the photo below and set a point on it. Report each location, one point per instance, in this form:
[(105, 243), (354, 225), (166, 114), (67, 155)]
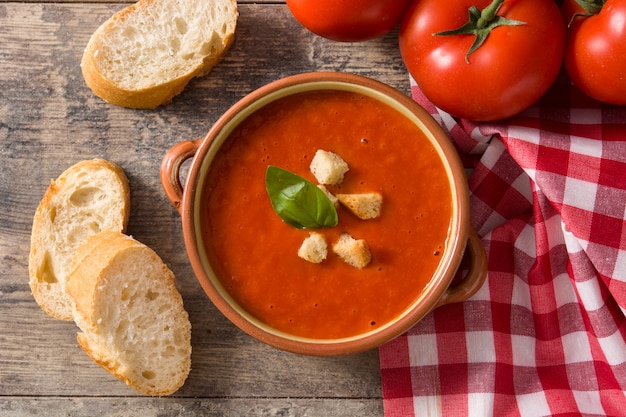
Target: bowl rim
[(219, 132)]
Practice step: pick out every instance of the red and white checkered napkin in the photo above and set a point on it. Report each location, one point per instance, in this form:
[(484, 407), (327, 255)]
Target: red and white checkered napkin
[(546, 335)]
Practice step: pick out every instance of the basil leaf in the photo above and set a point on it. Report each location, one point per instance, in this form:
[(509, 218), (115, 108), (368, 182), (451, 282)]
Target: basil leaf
[(299, 202)]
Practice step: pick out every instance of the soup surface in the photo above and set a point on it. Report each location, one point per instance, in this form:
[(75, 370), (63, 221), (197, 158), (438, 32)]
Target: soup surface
[(254, 253)]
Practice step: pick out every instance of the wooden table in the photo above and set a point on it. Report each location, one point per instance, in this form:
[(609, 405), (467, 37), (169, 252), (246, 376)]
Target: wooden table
[(49, 120)]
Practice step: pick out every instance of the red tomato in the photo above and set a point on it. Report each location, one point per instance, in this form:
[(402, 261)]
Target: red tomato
[(348, 20), (511, 70), (595, 53)]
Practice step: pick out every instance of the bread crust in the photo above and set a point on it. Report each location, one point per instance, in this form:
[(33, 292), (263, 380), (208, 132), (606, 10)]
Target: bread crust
[(53, 240), (162, 91)]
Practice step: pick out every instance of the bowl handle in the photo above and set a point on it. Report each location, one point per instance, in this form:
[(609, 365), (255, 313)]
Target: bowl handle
[(170, 170), (476, 274)]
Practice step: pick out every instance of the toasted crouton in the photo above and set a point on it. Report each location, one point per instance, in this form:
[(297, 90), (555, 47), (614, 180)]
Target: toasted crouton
[(365, 205), (354, 252), (328, 167), (314, 248), (330, 195)]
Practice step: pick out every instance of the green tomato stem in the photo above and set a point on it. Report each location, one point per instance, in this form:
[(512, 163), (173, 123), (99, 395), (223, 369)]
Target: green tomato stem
[(489, 13), (591, 6), (480, 24)]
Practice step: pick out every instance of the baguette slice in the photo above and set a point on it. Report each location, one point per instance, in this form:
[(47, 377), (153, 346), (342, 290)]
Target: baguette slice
[(146, 53), (88, 197), (130, 313)]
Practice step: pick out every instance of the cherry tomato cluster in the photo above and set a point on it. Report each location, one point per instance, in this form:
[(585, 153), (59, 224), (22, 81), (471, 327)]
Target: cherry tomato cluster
[(488, 59)]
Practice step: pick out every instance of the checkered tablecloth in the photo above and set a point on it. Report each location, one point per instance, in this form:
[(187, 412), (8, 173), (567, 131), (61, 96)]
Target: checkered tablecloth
[(546, 334)]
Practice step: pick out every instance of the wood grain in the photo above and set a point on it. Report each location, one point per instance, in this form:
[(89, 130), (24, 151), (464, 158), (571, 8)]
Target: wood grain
[(49, 120), (189, 407)]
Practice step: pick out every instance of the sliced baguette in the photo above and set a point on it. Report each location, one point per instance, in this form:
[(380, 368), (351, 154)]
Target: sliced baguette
[(130, 313), (146, 53), (88, 197)]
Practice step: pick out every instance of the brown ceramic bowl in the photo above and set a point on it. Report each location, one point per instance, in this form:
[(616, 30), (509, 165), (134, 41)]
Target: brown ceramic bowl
[(461, 241)]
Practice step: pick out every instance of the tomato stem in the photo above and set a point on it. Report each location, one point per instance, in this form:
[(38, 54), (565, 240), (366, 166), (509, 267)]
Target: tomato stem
[(591, 7), (489, 13), (481, 23)]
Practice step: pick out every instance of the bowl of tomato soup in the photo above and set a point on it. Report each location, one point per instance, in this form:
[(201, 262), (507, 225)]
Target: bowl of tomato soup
[(246, 255)]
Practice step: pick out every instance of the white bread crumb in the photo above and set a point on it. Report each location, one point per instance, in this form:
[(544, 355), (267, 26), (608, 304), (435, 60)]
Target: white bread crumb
[(354, 252), (328, 167), (314, 248), (330, 195), (364, 205)]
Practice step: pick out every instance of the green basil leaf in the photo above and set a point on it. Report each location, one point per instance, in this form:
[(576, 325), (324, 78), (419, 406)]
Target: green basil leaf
[(299, 202)]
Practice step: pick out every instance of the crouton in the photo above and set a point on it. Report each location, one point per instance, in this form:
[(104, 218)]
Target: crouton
[(354, 252), (365, 205), (314, 248), (328, 167), (330, 195)]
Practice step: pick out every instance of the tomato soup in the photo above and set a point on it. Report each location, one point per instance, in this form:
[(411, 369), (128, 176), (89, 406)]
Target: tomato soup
[(254, 253)]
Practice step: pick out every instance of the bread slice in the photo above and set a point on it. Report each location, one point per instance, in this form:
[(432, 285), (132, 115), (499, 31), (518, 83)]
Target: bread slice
[(365, 206), (146, 53), (130, 313), (88, 197)]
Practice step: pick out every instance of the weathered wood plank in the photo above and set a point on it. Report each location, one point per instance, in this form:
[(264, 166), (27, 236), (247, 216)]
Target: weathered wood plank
[(126, 2), (215, 407), (49, 120)]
